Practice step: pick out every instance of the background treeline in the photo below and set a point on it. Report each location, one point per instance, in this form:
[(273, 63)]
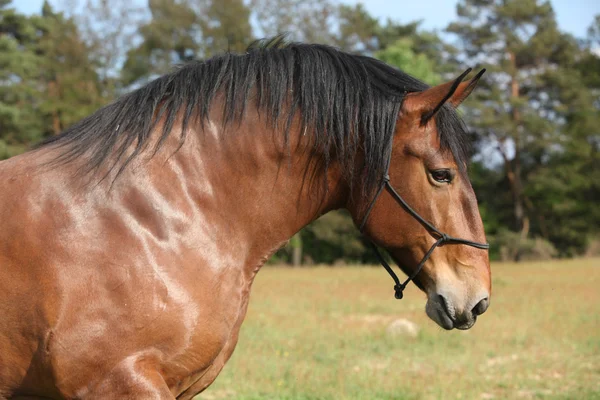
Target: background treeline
[(535, 120)]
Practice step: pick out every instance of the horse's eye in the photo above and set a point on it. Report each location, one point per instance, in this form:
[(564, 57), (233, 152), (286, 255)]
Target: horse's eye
[(442, 175)]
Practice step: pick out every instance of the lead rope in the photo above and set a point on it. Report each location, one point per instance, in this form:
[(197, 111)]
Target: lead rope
[(442, 237)]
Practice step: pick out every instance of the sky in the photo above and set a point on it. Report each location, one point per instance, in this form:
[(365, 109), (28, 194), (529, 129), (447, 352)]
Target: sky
[(574, 16)]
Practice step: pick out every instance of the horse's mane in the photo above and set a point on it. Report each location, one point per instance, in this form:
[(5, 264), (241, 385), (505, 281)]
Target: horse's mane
[(347, 102)]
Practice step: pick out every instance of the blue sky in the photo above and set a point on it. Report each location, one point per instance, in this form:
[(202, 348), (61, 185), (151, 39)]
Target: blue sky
[(574, 16)]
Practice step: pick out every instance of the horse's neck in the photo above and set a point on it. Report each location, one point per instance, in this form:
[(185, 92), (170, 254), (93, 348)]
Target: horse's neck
[(253, 192)]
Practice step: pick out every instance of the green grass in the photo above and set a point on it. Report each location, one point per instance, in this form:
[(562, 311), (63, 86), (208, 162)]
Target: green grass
[(320, 333)]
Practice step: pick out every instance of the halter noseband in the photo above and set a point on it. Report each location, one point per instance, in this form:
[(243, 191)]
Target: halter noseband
[(442, 238)]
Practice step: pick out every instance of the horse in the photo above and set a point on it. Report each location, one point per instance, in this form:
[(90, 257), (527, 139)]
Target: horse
[(129, 243)]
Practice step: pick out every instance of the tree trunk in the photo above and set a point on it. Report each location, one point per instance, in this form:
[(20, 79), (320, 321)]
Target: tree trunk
[(53, 94), (296, 244), (514, 171)]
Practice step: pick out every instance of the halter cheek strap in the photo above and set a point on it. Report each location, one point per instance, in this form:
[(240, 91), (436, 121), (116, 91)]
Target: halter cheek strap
[(442, 238)]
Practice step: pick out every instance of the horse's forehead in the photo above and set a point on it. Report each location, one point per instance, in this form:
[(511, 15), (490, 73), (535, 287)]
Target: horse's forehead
[(419, 140)]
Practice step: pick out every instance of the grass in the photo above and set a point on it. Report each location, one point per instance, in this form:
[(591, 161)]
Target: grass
[(320, 333)]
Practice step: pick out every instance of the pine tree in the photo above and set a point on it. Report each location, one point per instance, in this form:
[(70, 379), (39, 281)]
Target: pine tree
[(519, 42), (68, 75), (565, 188), (183, 30), (301, 20), (225, 26), (363, 33), (401, 55), (20, 122), (108, 27), (170, 37)]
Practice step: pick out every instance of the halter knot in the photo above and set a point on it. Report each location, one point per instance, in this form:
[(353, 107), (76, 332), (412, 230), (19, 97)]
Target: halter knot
[(398, 291)]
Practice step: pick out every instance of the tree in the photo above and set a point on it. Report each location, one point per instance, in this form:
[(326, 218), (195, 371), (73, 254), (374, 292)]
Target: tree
[(182, 30), (170, 37), (108, 28), (359, 31), (302, 20), (48, 79), (566, 186), (593, 40), (519, 42), (330, 239), (401, 55), (225, 25), (67, 73), (20, 122)]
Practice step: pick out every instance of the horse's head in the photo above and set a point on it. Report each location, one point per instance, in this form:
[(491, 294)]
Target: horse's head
[(425, 172)]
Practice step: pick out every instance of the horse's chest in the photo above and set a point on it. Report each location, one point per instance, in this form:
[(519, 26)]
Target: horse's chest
[(213, 339), (186, 326)]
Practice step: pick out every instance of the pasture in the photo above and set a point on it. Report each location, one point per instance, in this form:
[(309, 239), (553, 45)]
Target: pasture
[(322, 333)]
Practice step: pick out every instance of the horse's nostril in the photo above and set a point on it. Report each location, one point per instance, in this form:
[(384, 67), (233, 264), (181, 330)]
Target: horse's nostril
[(481, 306), (444, 305)]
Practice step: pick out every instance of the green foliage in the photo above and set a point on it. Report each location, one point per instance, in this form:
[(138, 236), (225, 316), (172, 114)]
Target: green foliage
[(49, 82), (359, 31), (225, 25), (302, 20), (71, 85), (19, 66), (180, 31), (167, 39), (510, 246), (401, 54), (333, 238), (539, 117)]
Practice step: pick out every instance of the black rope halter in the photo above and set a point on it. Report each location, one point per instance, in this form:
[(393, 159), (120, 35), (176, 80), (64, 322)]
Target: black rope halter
[(442, 238)]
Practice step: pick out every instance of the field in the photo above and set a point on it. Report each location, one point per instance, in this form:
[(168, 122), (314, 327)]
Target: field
[(322, 333)]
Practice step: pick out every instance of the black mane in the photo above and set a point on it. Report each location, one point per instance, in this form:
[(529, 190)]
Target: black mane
[(347, 102)]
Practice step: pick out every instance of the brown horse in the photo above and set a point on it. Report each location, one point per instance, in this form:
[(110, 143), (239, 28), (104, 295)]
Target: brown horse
[(128, 244)]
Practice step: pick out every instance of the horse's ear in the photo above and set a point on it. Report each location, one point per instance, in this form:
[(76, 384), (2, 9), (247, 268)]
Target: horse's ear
[(429, 102), (464, 89)]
